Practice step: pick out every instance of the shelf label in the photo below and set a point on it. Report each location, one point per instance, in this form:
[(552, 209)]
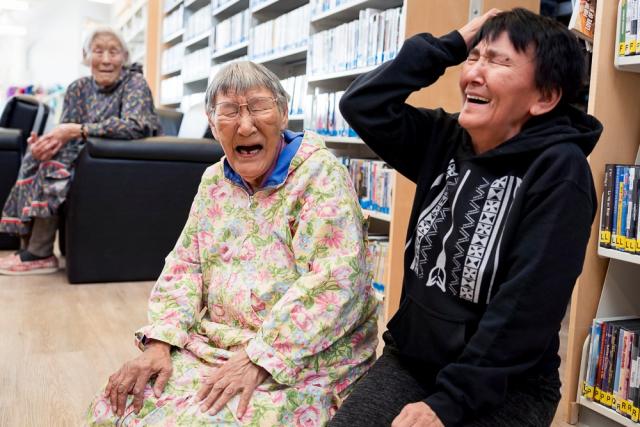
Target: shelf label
[(608, 400), (635, 413), (629, 408), (597, 394), (630, 245), (605, 237), (587, 391)]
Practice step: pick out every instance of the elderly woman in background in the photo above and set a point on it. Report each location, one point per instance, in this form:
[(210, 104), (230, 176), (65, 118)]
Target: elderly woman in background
[(264, 313), (114, 102)]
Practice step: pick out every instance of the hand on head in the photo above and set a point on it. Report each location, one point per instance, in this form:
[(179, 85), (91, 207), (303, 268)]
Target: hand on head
[(238, 375), (470, 29), (134, 375)]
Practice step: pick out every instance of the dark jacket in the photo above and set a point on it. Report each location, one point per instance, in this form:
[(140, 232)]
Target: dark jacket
[(495, 241)]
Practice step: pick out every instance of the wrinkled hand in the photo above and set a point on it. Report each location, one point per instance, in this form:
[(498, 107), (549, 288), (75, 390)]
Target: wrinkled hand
[(135, 374), (417, 414), (47, 146), (238, 374), (468, 32)]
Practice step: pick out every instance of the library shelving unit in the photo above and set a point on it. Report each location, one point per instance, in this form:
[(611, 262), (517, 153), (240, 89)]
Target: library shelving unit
[(138, 22), (418, 16), (608, 284)]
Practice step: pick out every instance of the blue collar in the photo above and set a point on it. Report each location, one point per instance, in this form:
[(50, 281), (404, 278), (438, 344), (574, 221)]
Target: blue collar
[(279, 174)]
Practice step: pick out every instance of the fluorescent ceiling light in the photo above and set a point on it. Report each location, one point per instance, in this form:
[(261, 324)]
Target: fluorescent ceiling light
[(103, 1), (13, 30), (14, 4)]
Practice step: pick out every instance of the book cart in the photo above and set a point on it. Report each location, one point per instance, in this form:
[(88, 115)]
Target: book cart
[(608, 284)]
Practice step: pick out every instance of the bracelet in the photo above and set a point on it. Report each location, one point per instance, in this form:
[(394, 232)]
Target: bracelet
[(83, 132)]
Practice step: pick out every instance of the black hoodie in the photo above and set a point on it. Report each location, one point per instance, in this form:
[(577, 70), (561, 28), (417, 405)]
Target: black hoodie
[(495, 241)]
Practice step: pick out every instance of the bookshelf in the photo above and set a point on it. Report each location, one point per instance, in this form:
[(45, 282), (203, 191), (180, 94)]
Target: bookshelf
[(607, 285), (138, 21)]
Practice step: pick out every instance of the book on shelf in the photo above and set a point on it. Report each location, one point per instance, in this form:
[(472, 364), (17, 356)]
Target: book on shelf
[(373, 181), (583, 17), (612, 375), (620, 214), (629, 14), (379, 249)]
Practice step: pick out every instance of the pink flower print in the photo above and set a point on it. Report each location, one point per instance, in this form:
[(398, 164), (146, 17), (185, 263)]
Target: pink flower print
[(205, 239), (216, 192), (314, 267), (101, 409), (277, 397), (282, 346), (217, 312), (225, 252), (327, 210), (179, 268), (171, 316), (328, 301), (257, 304), (306, 416), (342, 385), (248, 251), (214, 212), (356, 339), (314, 380), (333, 237), (301, 318)]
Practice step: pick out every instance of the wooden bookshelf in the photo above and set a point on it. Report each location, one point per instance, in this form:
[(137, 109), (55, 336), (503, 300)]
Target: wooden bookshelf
[(606, 286)]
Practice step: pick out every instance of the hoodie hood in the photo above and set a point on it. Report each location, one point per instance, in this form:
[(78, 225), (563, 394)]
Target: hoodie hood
[(564, 124)]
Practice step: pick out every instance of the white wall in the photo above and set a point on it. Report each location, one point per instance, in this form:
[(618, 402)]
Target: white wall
[(56, 33), (51, 53)]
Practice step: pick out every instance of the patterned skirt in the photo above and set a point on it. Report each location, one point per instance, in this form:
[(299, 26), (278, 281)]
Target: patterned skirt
[(40, 189), (272, 404)]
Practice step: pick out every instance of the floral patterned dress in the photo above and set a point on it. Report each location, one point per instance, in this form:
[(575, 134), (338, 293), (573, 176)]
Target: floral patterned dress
[(124, 111), (282, 273)]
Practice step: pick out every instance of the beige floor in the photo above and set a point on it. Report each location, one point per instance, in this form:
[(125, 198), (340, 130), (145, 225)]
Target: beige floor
[(60, 342)]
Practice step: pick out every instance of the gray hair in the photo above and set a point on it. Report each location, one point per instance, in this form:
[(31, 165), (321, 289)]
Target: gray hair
[(101, 31), (239, 77)]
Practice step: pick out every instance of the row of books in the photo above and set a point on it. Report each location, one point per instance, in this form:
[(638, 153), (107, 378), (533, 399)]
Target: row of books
[(232, 31), (218, 3), (373, 181), (287, 31), (171, 90), (172, 23), (197, 65), (321, 6), (628, 28), (296, 87), (169, 4), (619, 225), (198, 22), (379, 247), (322, 115), (612, 377), (172, 59), (375, 37)]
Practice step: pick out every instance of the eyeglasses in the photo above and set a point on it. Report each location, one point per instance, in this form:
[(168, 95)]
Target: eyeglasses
[(102, 52), (260, 106)]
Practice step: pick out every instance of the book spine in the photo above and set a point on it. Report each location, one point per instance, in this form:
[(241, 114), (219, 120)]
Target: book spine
[(606, 214)]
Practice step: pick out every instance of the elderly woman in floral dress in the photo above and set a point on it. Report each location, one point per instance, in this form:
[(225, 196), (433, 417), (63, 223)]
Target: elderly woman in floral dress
[(114, 102), (264, 313)]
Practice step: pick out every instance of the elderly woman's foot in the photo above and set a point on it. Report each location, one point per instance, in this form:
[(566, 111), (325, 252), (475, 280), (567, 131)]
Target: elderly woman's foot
[(25, 263)]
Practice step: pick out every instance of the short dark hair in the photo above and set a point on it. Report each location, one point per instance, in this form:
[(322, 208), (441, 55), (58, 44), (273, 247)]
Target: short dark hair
[(559, 61)]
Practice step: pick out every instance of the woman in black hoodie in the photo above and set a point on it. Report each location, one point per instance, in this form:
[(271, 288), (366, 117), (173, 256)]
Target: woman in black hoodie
[(499, 227)]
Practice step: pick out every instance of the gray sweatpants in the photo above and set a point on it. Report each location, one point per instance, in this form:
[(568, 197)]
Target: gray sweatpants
[(388, 386)]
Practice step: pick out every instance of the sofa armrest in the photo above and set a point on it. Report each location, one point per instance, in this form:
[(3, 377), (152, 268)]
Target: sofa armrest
[(157, 148), (10, 139)]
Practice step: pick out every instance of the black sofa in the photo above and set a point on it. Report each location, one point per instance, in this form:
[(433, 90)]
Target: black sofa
[(21, 115), (128, 203), (10, 159)]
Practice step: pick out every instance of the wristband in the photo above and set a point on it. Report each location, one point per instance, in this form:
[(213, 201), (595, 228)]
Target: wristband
[(83, 132)]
